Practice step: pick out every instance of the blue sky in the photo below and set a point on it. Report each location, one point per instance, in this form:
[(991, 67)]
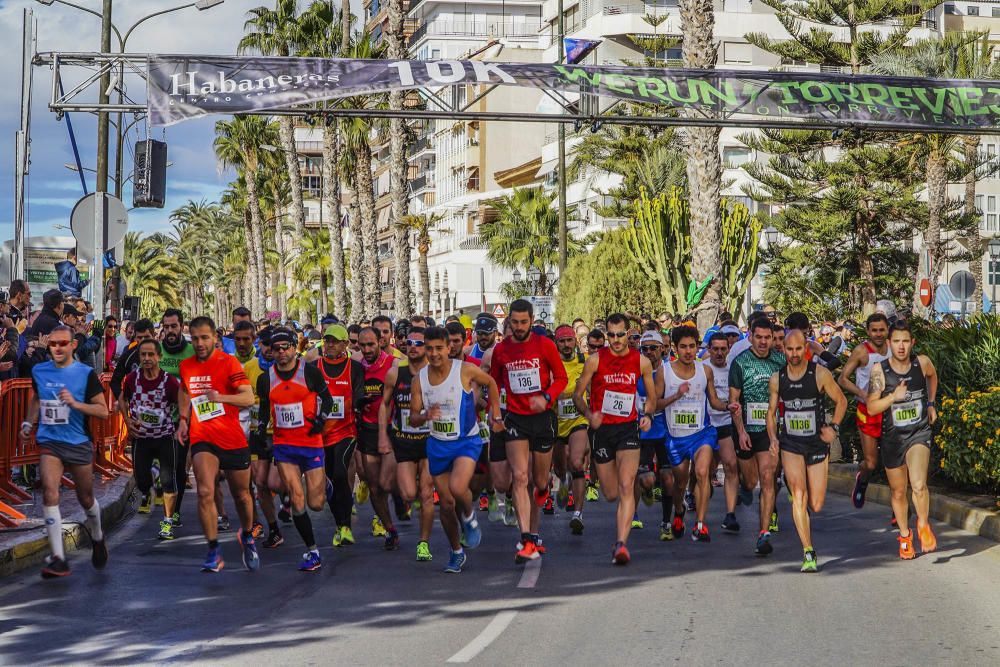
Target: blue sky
[(53, 189)]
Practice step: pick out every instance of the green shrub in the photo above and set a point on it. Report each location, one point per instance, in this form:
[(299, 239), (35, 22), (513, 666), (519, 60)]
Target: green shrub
[(966, 355), (969, 437)]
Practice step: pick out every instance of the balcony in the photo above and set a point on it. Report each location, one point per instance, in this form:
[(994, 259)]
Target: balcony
[(477, 28), (419, 146), (421, 183)]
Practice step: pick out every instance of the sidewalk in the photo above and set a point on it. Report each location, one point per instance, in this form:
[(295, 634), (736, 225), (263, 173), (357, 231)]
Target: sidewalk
[(976, 514), (27, 546)]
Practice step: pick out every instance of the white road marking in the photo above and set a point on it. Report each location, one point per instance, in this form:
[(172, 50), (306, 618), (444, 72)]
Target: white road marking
[(530, 574), (484, 638)]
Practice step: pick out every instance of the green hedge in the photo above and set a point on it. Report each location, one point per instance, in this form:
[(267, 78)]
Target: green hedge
[(969, 437)]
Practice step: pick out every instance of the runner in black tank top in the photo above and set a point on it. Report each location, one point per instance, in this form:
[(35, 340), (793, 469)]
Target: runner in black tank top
[(796, 403), (904, 387)]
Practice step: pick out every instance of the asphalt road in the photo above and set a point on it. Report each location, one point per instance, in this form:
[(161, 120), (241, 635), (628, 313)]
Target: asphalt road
[(677, 602)]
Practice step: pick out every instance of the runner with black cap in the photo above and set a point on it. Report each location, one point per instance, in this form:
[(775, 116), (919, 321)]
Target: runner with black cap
[(485, 328)]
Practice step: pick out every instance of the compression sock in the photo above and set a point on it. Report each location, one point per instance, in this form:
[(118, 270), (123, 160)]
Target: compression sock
[(303, 524), (94, 521), (53, 526)]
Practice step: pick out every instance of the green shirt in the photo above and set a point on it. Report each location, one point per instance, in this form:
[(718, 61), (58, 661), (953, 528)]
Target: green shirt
[(171, 361), (752, 375)]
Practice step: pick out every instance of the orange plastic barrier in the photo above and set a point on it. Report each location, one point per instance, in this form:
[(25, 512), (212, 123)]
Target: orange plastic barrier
[(109, 439)]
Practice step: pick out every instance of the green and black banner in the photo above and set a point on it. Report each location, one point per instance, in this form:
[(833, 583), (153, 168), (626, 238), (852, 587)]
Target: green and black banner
[(183, 87)]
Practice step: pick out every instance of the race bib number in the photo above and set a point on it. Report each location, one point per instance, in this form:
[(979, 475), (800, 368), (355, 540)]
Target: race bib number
[(567, 409), (404, 420), (618, 404), (54, 413), (687, 419), (289, 415), (801, 424), (205, 409), (149, 416), (527, 381), (443, 428), (337, 411), (907, 414), (756, 414)]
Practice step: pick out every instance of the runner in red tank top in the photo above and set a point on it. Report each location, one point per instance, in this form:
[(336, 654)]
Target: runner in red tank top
[(612, 377)]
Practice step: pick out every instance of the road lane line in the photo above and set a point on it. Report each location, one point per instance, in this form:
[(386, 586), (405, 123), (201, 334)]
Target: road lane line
[(530, 574), (484, 638)]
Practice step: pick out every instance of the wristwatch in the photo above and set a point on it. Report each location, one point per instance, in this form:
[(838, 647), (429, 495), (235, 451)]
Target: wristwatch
[(835, 427), (545, 395), (932, 404)]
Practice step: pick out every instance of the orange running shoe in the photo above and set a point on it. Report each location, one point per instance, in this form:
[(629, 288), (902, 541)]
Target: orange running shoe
[(620, 555), (527, 552), (928, 542), (906, 551)]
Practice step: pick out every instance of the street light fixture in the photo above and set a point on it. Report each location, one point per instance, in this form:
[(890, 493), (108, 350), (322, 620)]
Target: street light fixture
[(994, 248), (516, 275), (771, 234)]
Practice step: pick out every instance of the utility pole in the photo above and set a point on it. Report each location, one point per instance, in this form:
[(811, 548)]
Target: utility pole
[(22, 143), (563, 244), (101, 185)]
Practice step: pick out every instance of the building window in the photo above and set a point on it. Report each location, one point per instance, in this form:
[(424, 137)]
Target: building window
[(949, 9), (993, 274), (972, 10), (996, 12), (735, 156), (737, 54)]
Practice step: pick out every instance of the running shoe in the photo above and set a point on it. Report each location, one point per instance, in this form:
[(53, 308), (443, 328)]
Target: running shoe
[(509, 515), (391, 540), (361, 493), (310, 562), (730, 524), (562, 496), (143, 505), (343, 537), (99, 554), (526, 552), (809, 561), (576, 524), (592, 495), (166, 530), (354, 509), (620, 555), (541, 497), (224, 523), (484, 502), (666, 534), (746, 496), (657, 494), (437, 498), (700, 534), (415, 505), (549, 507), (637, 523), (251, 560), (424, 552), (285, 513), (378, 530), (55, 567), (906, 551), (539, 547), (158, 498), (689, 503), (407, 513), (213, 561), (455, 562), (274, 540), (647, 497), (677, 528), (928, 542), (860, 489), (472, 533), (494, 509), (763, 546), (258, 530), (176, 520), (773, 525)]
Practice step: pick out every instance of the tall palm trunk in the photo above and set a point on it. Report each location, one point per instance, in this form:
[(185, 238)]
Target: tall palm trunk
[(286, 133), (970, 144), (324, 296), (280, 299), (369, 233), (704, 165), (250, 282), (357, 261), (257, 234), (423, 247), (345, 25), (398, 190), (937, 196), (331, 213)]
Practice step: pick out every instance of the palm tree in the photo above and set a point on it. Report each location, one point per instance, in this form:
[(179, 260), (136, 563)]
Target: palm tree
[(234, 198), (398, 185), (150, 273), (237, 144), (525, 234), (312, 264), (421, 226), (278, 32), (275, 192), (704, 164)]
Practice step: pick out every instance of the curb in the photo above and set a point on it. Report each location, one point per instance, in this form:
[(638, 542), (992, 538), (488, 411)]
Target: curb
[(32, 552), (947, 509)]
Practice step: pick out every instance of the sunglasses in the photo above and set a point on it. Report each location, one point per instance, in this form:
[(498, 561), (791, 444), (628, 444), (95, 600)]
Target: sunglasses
[(594, 346), (415, 343), (59, 343), (635, 337), (353, 341), (281, 347), (650, 348), (617, 334)]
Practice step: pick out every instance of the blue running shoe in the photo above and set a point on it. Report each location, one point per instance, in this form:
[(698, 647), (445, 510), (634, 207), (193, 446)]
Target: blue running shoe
[(472, 534), (310, 562), (251, 561), (455, 562), (213, 561)]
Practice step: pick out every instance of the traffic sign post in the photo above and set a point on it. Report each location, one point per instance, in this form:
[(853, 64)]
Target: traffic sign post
[(499, 311), (962, 285), (545, 308)]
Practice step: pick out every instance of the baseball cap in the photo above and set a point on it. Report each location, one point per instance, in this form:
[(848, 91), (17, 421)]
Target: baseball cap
[(70, 310), (563, 332), (329, 319), (651, 337), (485, 323), (336, 331), (731, 330), (283, 336)]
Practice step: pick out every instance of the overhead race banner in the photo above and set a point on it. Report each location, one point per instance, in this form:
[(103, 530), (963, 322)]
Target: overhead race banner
[(183, 87)]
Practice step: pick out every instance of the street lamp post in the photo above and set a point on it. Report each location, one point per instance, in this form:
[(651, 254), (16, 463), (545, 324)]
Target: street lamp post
[(994, 248)]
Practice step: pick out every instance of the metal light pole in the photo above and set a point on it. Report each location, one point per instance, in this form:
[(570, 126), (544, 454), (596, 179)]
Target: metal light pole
[(21, 145), (563, 243)]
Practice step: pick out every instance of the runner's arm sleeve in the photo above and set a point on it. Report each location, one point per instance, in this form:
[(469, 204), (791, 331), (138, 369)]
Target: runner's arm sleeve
[(264, 412), (560, 380), (316, 383), (736, 376)]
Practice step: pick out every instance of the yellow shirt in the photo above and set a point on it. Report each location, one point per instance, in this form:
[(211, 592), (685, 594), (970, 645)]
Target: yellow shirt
[(569, 419), (254, 371)]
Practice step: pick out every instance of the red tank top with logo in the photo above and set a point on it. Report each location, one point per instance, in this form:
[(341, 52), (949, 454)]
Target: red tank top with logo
[(374, 386), (613, 387), (293, 407), (343, 404)]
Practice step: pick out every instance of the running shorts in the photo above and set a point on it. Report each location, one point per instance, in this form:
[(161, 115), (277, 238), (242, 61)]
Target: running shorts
[(441, 454), (813, 452), (72, 455), (870, 425), (229, 459), (759, 442), (894, 449), (498, 447), (609, 439), (538, 429), (683, 449), (408, 450), (649, 449), (368, 440), (306, 458)]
